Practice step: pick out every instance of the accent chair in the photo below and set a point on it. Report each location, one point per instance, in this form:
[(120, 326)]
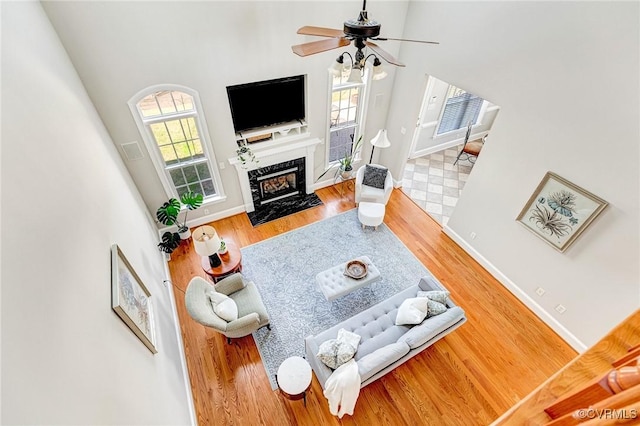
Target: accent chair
[(252, 314)]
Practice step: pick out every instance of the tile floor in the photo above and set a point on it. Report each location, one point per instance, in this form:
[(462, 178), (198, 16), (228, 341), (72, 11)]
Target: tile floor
[(435, 184)]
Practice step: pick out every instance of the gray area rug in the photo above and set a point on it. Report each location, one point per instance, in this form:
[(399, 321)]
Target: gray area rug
[(284, 269)]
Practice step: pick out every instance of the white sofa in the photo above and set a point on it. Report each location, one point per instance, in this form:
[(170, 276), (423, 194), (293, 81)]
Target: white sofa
[(385, 345)]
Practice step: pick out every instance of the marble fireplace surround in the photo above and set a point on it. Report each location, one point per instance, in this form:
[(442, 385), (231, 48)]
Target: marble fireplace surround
[(286, 151)]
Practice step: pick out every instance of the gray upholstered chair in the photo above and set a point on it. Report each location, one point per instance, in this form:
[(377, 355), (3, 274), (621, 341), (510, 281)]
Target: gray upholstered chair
[(369, 193), (252, 313)]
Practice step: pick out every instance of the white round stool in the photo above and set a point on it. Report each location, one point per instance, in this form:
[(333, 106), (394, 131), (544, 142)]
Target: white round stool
[(370, 214), (294, 378)]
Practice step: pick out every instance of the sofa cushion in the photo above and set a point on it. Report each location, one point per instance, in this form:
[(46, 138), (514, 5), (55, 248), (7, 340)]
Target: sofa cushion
[(435, 308), (333, 353), (374, 176), (435, 295), (431, 327), (412, 311), (381, 358), (223, 306), (351, 338)]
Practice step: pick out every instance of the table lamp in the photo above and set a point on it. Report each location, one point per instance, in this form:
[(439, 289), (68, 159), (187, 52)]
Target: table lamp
[(207, 243), (381, 141)]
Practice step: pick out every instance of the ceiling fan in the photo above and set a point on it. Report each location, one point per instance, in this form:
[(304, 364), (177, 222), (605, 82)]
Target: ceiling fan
[(360, 30)]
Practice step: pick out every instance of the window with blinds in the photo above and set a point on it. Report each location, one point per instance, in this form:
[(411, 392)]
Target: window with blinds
[(460, 108)]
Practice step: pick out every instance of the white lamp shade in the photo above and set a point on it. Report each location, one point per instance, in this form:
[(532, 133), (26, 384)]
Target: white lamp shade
[(378, 72), (206, 240), (381, 140), (355, 76), (336, 68)]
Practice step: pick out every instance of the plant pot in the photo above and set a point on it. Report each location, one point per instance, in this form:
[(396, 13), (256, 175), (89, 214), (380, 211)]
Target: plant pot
[(184, 234), (346, 174), (167, 256), (223, 252)]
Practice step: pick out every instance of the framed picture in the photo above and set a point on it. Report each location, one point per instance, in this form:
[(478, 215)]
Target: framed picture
[(559, 211), (131, 300)]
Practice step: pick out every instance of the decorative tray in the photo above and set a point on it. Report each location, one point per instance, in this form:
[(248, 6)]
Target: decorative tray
[(356, 269)]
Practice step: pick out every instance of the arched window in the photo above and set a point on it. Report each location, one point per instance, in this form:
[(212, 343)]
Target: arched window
[(175, 134)]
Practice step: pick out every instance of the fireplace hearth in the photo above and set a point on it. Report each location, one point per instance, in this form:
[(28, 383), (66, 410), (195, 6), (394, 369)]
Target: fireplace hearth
[(278, 190)]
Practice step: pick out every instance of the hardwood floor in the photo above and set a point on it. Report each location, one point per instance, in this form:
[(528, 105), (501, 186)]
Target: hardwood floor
[(470, 377)]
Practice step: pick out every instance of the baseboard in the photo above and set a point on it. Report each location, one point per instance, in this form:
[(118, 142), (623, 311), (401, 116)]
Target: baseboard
[(445, 145), (545, 316), (183, 358), (206, 219)]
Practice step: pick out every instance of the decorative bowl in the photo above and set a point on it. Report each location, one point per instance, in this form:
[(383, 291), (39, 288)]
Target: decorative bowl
[(356, 269)]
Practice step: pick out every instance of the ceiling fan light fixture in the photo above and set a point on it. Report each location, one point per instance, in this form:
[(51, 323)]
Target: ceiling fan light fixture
[(378, 71), (355, 76), (338, 66)]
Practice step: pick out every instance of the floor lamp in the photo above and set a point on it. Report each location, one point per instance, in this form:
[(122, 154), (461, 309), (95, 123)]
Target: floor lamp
[(380, 141)]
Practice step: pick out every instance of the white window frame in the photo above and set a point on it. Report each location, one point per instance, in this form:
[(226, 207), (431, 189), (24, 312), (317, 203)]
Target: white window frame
[(360, 120), (152, 147), (483, 109)]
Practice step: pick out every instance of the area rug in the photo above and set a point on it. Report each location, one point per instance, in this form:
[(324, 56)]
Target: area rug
[(284, 269)]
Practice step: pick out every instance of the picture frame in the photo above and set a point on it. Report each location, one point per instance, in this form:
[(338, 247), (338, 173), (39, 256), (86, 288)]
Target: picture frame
[(559, 211), (131, 300)]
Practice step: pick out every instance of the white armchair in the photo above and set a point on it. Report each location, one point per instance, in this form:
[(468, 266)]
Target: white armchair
[(369, 193)]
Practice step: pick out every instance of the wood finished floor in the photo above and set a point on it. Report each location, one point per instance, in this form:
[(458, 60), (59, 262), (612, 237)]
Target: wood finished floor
[(470, 377)]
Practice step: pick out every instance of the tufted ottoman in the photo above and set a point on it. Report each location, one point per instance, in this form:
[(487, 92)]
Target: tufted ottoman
[(333, 283), (370, 214)]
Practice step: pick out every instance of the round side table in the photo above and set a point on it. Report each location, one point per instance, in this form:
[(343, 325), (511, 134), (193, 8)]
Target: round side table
[(231, 262), (294, 378)]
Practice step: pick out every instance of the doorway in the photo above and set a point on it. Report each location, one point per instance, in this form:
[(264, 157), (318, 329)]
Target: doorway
[(435, 174)]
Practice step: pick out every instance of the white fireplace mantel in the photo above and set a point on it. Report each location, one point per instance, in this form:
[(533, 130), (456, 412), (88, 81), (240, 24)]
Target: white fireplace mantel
[(274, 155)]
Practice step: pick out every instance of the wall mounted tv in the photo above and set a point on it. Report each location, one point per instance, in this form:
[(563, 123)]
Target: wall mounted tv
[(266, 103)]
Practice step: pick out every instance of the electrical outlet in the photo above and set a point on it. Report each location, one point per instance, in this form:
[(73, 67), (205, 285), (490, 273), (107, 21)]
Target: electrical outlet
[(561, 309), (221, 165), (403, 130), (540, 291), (473, 235), (206, 211)]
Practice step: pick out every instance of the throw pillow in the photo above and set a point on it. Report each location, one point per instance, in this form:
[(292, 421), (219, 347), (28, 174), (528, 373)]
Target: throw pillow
[(412, 311), (348, 337), (435, 295), (435, 308), (374, 176), (224, 306), (334, 353)]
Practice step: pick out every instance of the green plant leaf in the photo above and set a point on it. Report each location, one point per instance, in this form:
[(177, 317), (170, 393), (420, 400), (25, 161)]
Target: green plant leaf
[(192, 200), (170, 242), (168, 212)]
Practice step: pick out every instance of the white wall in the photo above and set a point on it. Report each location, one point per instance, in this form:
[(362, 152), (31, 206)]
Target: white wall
[(120, 48), (67, 358), (565, 75)]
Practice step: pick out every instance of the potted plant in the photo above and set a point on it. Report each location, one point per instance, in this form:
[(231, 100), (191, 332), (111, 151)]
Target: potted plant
[(170, 242), (346, 162), (168, 213), (245, 155), (223, 247)]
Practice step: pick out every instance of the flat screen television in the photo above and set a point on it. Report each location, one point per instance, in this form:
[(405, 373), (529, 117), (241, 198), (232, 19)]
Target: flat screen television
[(267, 103)]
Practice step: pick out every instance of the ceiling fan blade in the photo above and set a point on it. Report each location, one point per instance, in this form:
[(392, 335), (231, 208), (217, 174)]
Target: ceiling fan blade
[(384, 54), (405, 39), (314, 47), (321, 31)]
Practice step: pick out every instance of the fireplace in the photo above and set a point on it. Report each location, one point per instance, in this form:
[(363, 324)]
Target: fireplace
[(277, 182)]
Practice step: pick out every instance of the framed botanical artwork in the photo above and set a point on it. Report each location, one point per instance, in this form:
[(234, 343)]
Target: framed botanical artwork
[(131, 300), (559, 211)]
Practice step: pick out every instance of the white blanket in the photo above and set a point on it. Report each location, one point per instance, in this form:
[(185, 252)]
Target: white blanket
[(342, 389)]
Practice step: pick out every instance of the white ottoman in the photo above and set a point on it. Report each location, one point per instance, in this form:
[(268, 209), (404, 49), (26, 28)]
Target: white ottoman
[(370, 214)]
